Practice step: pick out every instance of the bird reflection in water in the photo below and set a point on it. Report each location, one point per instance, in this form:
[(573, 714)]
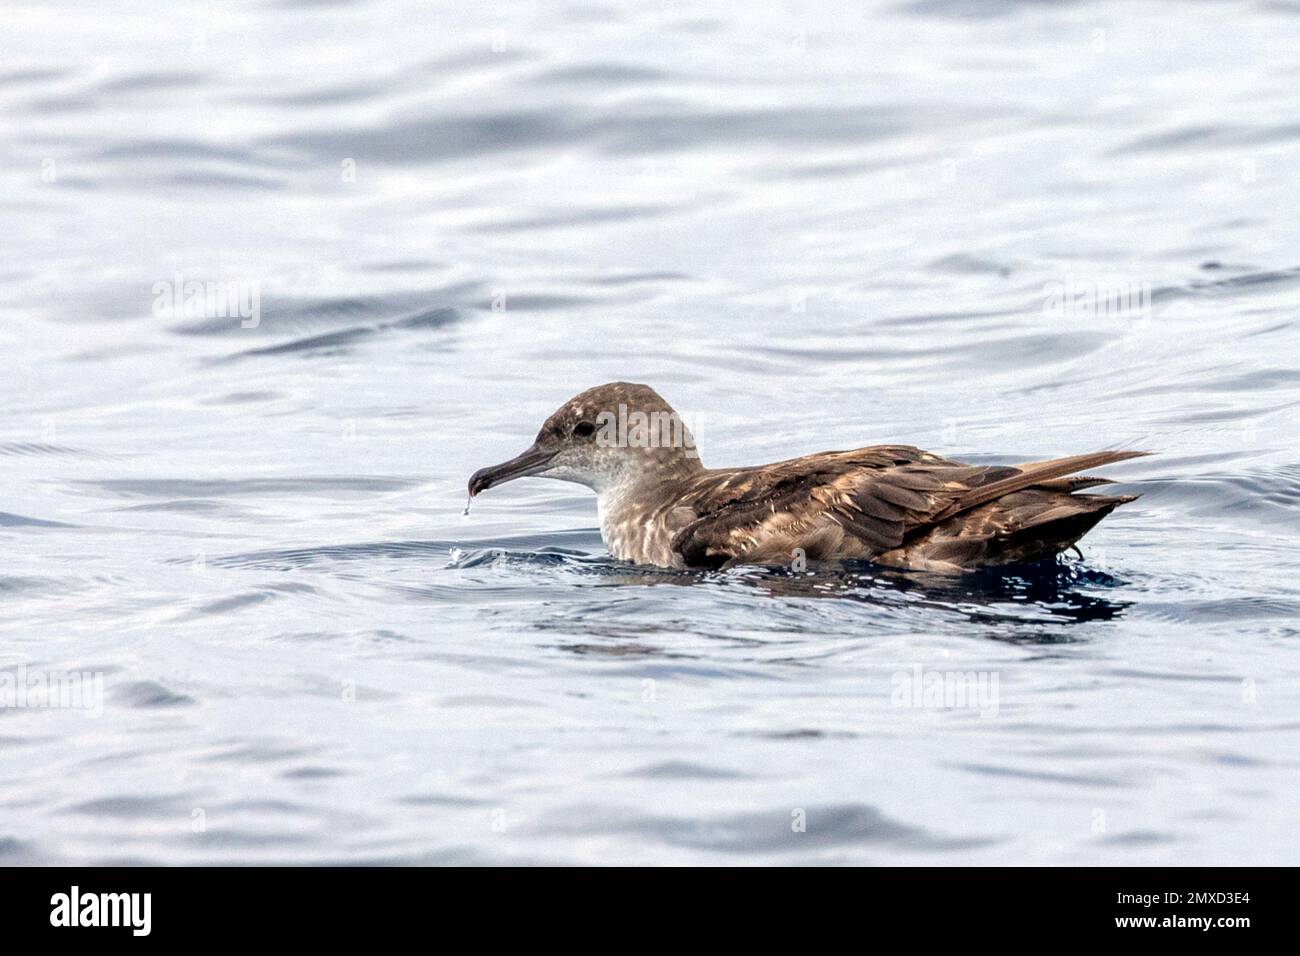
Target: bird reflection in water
[(1041, 596)]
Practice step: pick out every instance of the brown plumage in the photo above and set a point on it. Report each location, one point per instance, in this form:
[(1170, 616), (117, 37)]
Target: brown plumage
[(891, 504)]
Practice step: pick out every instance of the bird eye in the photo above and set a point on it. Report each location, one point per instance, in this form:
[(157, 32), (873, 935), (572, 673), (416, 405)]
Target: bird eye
[(584, 430)]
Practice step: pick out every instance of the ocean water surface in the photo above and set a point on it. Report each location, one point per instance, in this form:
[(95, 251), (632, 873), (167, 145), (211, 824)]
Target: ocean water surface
[(1000, 231)]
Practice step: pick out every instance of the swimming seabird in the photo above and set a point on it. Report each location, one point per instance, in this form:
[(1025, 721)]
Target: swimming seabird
[(894, 505)]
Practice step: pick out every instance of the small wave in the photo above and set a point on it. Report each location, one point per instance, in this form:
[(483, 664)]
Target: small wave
[(601, 75), (549, 549), (137, 807), (1270, 497), (426, 308), (26, 448), (333, 342), (149, 695), (8, 520), (1266, 281), (828, 827), (191, 488), (237, 602)]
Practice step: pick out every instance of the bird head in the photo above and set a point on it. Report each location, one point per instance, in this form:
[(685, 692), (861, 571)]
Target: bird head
[(615, 434)]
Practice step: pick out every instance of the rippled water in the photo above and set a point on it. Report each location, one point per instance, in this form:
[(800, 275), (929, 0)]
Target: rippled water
[(810, 226)]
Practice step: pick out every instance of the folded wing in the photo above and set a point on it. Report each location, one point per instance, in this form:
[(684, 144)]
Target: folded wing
[(883, 503)]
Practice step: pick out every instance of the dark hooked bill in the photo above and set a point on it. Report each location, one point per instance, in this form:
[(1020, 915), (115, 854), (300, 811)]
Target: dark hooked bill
[(530, 462)]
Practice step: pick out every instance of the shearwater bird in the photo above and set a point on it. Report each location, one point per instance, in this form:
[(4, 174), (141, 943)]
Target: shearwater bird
[(890, 504)]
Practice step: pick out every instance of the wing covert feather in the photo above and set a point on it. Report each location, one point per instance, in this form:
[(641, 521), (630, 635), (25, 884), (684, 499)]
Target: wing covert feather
[(868, 501)]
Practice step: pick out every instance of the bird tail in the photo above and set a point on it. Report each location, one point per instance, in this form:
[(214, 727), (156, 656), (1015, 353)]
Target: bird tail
[(1038, 474), (1056, 529)]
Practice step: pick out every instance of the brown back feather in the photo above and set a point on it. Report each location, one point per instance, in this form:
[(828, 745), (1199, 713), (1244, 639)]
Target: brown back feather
[(881, 496)]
